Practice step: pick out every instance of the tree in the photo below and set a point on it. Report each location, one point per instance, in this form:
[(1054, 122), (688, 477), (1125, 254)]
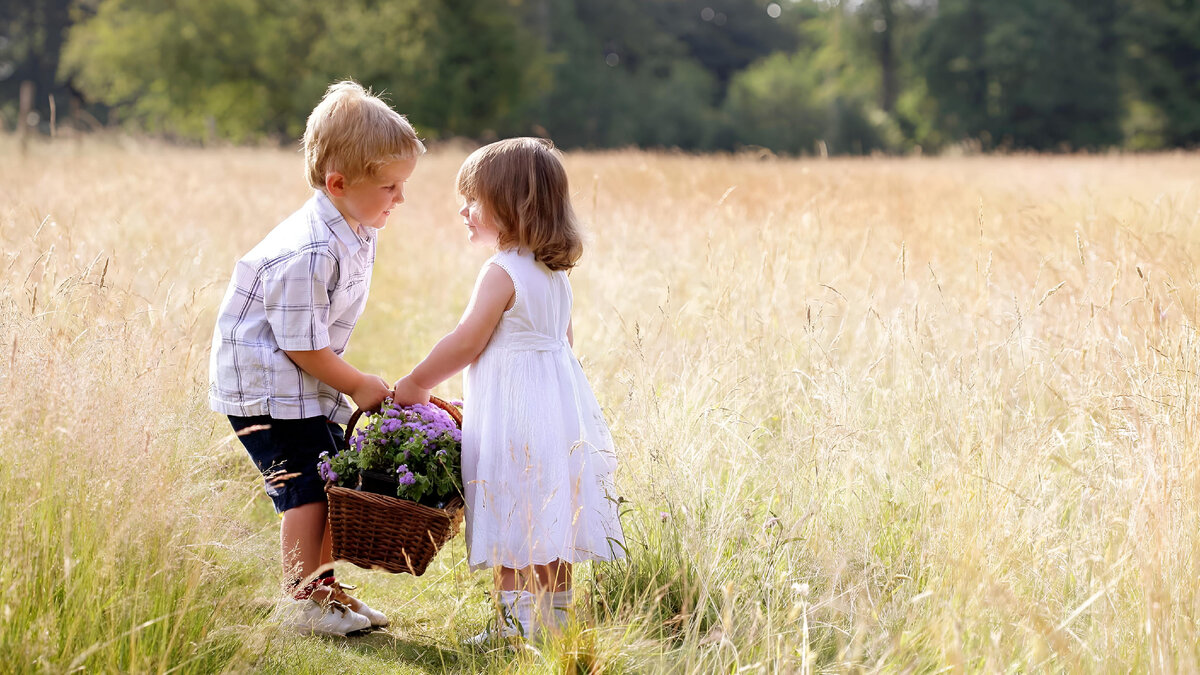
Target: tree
[(31, 36), (1025, 74), (887, 31), (1163, 38), (245, 69), (815, 97), (617, 79)]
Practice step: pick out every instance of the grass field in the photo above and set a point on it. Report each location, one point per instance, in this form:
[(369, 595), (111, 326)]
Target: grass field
[(882, 415)]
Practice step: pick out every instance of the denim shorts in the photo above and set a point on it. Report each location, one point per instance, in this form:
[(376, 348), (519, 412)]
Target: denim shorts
[(286, 452)]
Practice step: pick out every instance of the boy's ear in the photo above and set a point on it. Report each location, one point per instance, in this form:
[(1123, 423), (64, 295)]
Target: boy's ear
[(335, 183)]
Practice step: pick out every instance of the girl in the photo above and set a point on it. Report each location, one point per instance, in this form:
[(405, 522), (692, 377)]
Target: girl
[(538, 459)]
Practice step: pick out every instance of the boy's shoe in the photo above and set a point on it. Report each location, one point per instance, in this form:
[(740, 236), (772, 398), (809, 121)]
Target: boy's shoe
[(337, 592), (377, 618), (310, 617)]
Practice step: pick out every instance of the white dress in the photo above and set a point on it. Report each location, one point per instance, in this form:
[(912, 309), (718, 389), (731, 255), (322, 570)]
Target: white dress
[(538, 460)]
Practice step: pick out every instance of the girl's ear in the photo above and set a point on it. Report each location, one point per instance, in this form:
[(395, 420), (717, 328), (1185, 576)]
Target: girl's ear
[(335, 184)]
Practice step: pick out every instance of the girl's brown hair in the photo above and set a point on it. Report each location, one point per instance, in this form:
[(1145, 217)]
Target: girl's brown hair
[(522, 185)]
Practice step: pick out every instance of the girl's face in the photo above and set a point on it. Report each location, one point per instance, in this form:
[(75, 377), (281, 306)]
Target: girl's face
[(481, 228)]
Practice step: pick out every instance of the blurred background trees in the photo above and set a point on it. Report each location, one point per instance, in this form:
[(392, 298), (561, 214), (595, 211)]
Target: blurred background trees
[(790, 76)]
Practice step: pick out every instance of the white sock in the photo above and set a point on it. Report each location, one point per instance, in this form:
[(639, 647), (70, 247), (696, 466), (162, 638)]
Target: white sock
[(555, 606), (519, 607)]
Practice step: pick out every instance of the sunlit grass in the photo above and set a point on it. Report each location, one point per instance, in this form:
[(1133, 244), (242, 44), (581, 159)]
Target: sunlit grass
[(872, 414)]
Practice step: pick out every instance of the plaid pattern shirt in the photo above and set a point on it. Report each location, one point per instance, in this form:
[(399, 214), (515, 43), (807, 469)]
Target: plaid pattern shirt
[(301, 288)]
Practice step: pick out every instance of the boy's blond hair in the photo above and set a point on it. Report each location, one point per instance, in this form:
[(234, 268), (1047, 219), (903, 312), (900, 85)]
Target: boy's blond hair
[(522, 184), (353, 132)]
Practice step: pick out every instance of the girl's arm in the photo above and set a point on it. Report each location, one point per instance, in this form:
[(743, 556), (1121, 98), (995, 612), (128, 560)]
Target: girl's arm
[(493, 295)]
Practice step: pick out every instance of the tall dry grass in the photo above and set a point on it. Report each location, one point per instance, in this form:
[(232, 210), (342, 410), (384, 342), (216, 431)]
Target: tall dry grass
[(872, 414)]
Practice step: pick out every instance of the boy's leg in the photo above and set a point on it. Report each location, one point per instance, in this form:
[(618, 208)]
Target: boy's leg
[(286, 452), (302, 537)]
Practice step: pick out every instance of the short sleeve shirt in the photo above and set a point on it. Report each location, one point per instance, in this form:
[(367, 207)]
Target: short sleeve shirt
[(302, 288)]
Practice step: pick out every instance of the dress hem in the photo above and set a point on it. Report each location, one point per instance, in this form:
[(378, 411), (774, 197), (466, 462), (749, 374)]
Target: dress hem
[(579, 558)]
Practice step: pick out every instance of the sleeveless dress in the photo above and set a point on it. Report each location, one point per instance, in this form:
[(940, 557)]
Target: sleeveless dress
[(538, 459)]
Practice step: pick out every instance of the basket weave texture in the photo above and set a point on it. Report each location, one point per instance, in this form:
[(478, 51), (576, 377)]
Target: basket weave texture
[(396, 535)]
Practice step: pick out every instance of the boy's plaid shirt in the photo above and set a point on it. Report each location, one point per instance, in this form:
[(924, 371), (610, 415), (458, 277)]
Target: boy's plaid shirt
[(301, 288)]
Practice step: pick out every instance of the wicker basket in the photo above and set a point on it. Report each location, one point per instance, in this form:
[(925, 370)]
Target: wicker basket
[(380, 532)]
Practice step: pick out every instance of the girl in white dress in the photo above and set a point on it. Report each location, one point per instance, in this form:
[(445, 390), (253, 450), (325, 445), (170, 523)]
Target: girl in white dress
[(538, 459)]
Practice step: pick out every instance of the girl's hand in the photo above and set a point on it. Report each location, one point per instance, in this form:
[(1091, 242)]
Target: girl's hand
[(407, 392), (370, 392)]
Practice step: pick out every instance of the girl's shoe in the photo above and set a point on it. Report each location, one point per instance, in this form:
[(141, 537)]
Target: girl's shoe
[(505, 632), (310, 617), (555, 610), (517, 620)]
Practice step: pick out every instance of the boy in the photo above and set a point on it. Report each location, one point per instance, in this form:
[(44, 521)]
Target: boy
[(276, 368)]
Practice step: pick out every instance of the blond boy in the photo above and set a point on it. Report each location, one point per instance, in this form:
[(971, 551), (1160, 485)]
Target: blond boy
[(276, 367)]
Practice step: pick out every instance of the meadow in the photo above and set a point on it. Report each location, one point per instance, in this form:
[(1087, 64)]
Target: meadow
[(913, 414)]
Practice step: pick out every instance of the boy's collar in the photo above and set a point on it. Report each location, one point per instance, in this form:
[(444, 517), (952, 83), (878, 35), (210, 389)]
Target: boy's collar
[(337, 223)]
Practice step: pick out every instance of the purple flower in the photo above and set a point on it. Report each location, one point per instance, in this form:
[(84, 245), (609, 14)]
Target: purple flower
[(325, 469), (405, 476)]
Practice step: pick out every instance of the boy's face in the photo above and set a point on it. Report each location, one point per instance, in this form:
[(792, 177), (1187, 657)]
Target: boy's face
[(370, 201)]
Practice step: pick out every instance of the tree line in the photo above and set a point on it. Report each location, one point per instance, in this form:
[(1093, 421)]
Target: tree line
[(791, 76)]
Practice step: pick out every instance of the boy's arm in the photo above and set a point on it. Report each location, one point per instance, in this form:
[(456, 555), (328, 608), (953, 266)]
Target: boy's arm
[(367, 391), (463, 344)]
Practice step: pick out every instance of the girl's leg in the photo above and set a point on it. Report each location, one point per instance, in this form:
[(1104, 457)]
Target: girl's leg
[(551, 577), (509, 579), (554, 577), (538, 596), (553, 594)]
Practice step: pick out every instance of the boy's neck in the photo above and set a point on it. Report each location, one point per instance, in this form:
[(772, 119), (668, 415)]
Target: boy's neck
[(355, 226)]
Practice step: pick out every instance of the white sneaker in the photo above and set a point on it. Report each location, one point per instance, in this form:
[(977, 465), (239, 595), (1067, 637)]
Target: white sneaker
[(516, 620), (504, 632), (338, 593), (377, 618), (309, 617)]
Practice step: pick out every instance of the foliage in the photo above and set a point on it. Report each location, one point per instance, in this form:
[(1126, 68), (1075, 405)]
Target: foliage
[(31, 37), (794, 104), (243, 69), (1163, 38), (1032, 74), (420, 445), (873, 74)]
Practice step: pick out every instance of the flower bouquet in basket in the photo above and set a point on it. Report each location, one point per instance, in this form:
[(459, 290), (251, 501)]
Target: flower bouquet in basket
[(395, 495)]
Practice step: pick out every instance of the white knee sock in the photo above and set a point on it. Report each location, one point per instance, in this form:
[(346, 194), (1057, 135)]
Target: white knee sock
[(519, 608), (555, 606)]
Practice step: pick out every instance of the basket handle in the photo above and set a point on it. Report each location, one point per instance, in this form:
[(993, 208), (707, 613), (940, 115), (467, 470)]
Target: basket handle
[(455, 414)]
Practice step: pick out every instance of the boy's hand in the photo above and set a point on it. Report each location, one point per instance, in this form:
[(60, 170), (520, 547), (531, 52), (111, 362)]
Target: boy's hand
[(369, 394), (408, 392)]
